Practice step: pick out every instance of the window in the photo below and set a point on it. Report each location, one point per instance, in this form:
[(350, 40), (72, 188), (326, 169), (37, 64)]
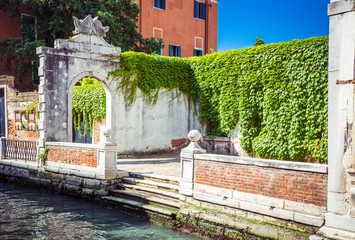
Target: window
[(200, 10), (29, 33), (198, 52), (158, 52), (158, 34), (174, 51), (159, 4)]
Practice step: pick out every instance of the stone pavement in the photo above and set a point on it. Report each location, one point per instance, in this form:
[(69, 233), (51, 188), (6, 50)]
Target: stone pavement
[(167, 164)]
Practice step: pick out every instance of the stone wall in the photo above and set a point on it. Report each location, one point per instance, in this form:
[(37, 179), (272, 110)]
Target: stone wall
[(17, 101), (289, 184), (74, 155), (80, 185)]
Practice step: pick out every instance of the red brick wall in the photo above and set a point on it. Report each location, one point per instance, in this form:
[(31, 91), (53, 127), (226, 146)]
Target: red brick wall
[(73, 155), (298, 186), (96, 133)]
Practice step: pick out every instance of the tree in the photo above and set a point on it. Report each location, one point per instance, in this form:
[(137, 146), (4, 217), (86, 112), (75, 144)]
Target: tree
[(54, 20), (258, 41)]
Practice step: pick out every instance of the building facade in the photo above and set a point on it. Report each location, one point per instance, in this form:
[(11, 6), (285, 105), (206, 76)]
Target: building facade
[(187, 27)]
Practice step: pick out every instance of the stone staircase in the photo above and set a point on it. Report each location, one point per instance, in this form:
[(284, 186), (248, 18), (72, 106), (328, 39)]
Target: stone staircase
[(147, 194)]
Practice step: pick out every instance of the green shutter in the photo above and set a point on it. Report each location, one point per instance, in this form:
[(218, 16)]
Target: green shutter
[(179, 51), (170, 50), (195, 9), (203, 5), (163, 4), (195, 53)]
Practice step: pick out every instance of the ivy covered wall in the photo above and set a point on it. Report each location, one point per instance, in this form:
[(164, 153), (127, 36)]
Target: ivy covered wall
[(277, 93)]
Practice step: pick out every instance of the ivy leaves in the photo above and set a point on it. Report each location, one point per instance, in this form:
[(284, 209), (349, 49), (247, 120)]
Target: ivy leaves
[(89, 103), (277, 93)]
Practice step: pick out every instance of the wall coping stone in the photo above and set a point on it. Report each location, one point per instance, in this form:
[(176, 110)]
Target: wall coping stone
[(74, 145), (222, 139), (289, 165)]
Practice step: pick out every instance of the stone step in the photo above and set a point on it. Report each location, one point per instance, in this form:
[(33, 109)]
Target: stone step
[(152, 184), (153, 191), (139, 206), (145, 198), (155, 177)]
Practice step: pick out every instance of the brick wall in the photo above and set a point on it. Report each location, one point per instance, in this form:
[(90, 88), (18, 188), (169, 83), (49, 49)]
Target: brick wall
[(73, 155), (96, 132), (293, 185)]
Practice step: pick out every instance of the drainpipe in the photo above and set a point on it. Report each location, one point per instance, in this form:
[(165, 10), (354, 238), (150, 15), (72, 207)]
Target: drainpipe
[(140, 16), (206, 26)]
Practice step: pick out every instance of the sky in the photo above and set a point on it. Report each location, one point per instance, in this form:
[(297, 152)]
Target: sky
[(240, 22)]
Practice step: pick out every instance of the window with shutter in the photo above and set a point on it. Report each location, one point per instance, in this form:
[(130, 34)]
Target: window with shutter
[(174, 51), (200, 10), (198, 52), (159, 4)]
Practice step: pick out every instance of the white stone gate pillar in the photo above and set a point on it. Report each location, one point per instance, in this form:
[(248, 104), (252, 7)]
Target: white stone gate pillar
[(340, 218)]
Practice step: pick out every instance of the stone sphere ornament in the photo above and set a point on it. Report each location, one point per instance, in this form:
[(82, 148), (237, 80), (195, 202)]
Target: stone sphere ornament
[(194, 135), (108, 133)]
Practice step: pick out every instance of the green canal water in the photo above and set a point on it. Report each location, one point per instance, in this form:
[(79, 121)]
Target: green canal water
[(29, 213)]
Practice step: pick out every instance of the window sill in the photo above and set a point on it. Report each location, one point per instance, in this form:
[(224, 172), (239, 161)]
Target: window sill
[(159, 8)]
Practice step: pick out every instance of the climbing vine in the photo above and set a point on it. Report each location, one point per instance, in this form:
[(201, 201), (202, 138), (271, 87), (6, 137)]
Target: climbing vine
[(88, 103), (276, 93), (151, 74)]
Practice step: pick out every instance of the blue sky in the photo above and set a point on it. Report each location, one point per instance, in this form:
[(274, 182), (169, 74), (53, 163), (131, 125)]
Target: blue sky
[(240, 22)]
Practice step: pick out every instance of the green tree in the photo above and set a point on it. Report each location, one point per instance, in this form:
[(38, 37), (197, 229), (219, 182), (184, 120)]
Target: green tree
[(258, 41), (54, 20)]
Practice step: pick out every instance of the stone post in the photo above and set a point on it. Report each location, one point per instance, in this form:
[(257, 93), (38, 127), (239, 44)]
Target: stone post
[(339, 220), (187, 163), (107, 158)]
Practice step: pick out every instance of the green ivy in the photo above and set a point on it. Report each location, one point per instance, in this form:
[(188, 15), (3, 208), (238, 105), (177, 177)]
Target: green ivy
[(151, 74), (277, 93), (88, 102)]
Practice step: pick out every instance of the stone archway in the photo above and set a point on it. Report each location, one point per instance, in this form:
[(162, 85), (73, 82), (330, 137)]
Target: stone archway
[(62, 66), (109, 95)]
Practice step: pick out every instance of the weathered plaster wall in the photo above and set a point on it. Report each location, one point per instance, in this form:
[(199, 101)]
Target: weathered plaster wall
[(145, 127)]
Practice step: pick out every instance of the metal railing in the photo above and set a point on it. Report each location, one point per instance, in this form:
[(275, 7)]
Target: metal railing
[(19, 149)]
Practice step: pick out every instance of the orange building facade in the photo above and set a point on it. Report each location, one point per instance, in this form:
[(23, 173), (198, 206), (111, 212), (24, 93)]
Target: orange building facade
[(187, 27)]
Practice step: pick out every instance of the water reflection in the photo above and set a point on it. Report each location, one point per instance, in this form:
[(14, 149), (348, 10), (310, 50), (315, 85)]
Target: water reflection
[(33, 214)]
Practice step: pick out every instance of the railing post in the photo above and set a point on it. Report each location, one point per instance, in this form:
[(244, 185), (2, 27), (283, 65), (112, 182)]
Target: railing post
[(107, 158), (188, 164), (2, 148)]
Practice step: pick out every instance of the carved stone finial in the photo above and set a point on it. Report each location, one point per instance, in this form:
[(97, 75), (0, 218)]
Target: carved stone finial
[(108, 133), (90, 26), (194, 136), (194, 147)]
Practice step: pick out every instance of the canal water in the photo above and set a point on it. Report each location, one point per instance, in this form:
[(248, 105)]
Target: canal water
[(29, 213)]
